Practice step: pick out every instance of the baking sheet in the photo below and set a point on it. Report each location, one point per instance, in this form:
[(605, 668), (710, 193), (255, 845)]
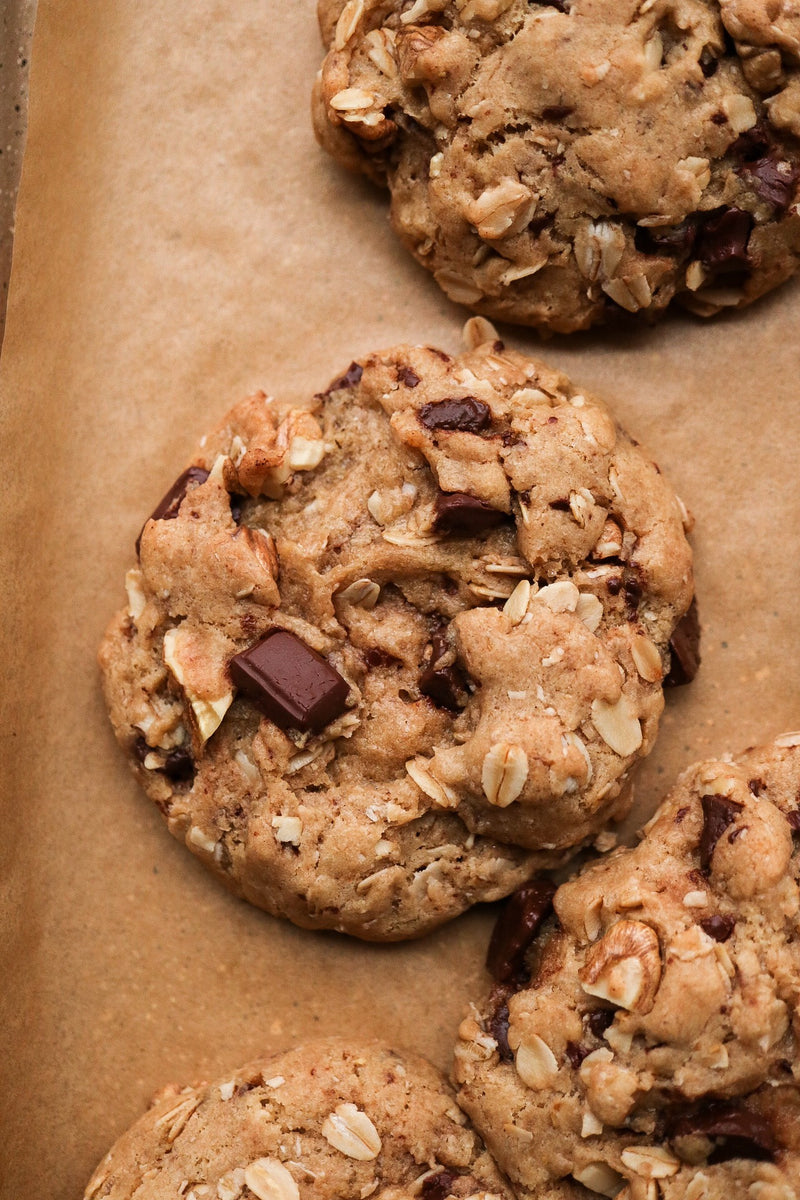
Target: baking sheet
[(180, 241)]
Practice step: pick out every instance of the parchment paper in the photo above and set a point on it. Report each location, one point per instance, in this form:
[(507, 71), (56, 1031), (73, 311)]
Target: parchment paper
[(180, 241)]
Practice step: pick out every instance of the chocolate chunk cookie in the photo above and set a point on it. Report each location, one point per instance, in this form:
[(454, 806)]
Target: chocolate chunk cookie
[(554, 163), (386, 654), (645, 1043), (325, 1121)]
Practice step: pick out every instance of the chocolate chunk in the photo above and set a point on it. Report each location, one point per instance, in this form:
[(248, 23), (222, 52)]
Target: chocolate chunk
[(709, 62), (774, 179), (375, 657), (556, 112), (169, 505), (351, 377), (517, 926), (576, 1052), (633, 591), (179, 765), (438, 1186), (794, 820), (685, 647), (718, 927), (598, 1021), (237, 507), (668, 239), (466, 414), (289, 682), (407, 376), (498, 1023), (756, 786), (461, 514), (680, 814), (718, 813), (744, 1134), (444, 685), (722, 240)]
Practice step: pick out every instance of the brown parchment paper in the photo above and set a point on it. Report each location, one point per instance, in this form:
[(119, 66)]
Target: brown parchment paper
[(181, 240)]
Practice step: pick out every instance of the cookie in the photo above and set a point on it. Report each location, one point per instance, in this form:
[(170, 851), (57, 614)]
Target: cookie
[(645, 1043), (324, 1121), (559, 162), (386, 654)]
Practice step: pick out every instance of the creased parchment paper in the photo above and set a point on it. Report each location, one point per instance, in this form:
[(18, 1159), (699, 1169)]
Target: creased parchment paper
[(180, 241)]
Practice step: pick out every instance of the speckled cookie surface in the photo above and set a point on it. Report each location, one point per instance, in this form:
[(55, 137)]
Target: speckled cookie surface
[(384, 656), (653, 1053), (556, 163), (328, 1121)]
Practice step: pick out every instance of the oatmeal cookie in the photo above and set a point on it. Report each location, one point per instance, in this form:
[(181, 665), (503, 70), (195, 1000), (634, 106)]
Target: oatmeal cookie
[(385, 655), (557, 162), (328, 1121), (645, 1042)]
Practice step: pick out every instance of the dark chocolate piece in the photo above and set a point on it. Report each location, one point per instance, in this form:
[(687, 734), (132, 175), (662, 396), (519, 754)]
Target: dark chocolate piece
[(461, 514), (722, 240), (179, 765), (237, 507), (718, 927), (598, 1021), (794, 820), (517, 926), (576, 1052), (668, 239), (465, 414), (289, 682), (556, 112), (439, 1186), (169, 505), (745, 1134), (718, 813), (444, 685), (774, 179), (685, 647), (407, 376), (351, 377), (709, 63), (498, 1023)]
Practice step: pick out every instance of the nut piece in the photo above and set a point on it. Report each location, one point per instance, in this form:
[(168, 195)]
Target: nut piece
[(208, 711), (624, 967), (349, 1130), (599, 1177), (651, 1162), (501, 210), (505, 769), (536, 1064), (617, 725), (269, 1179), (562, 596)]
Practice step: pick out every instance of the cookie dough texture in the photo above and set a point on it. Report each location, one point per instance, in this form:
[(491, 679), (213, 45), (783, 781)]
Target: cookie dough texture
[(327, 1121), (493, 567), (654, 1053), (555, 163)]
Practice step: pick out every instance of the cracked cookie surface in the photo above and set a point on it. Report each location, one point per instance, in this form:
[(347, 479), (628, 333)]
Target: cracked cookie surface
[(327, 1121), (555, 163), (644, 1044), (386, 655)]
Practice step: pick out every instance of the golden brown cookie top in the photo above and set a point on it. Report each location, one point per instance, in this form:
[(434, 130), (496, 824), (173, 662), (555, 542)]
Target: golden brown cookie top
[(659, 1015), (327, 1120), (384, 656), (557, 163)]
